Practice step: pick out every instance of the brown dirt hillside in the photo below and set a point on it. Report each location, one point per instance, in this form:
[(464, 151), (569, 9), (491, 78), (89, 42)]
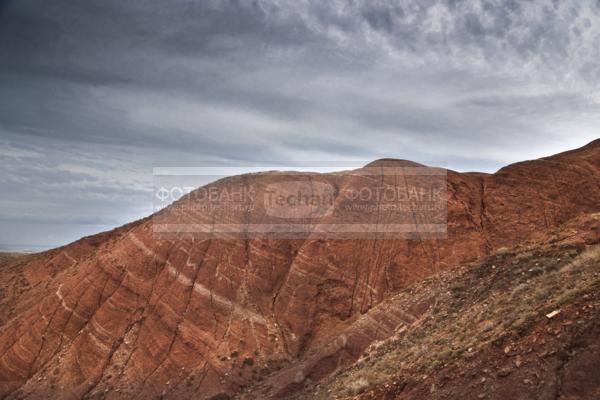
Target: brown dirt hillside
[(125, 315)]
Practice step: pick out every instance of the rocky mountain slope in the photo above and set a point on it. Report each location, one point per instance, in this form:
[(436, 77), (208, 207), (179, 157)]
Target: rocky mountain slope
[(125, 315), (519, 324)]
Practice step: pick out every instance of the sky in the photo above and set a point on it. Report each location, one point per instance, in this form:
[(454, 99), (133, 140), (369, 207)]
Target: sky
[(94, 95)]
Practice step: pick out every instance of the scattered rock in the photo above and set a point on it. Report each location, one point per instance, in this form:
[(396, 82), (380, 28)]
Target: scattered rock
[(488, 326)]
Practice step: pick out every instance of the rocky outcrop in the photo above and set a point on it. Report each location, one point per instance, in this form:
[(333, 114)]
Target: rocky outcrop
[(125, 315)]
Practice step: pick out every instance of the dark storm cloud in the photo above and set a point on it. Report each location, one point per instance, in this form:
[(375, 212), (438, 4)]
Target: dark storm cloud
[(94, 94)]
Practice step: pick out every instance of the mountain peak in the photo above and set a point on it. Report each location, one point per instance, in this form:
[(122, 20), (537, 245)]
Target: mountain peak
[(393, 162)]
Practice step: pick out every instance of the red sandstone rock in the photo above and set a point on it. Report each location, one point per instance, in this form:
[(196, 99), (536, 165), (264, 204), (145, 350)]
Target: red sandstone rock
[(123, 315)]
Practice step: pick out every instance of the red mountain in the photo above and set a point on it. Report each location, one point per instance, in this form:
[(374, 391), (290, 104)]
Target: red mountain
[(125, 315)]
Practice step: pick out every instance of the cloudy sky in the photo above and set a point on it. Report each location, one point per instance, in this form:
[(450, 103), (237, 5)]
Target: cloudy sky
[(94, 94)]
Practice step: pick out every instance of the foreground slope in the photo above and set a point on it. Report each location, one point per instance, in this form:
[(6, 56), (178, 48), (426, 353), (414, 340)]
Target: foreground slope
[(123, 315), (520, 324)]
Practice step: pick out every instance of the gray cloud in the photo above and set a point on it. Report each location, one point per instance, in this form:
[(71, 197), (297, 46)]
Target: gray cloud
[(95, 94)]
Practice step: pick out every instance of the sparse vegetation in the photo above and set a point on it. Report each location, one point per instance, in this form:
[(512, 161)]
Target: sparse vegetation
[(476, 307), (358, 386), (591, 254)]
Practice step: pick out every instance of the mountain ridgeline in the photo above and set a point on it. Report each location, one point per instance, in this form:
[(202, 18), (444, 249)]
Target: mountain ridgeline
[(124, 314)]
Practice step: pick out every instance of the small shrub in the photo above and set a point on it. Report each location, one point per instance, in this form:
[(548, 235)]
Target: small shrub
[(590, 255), (521, 324), (358, 386), (569, 295)]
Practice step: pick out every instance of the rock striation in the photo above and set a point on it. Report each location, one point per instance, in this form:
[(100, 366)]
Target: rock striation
[(123, 314)]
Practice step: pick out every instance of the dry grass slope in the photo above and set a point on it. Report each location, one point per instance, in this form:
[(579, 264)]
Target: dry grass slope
[(482, 308)]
